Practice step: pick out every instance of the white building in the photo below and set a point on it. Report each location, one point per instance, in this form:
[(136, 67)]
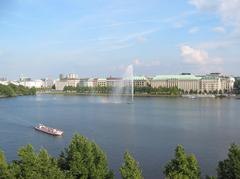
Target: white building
[(68, 80), (114, 82), (213, 82), (102, 82), (83, 82), (30, 84), (92, 82), (60, 84)]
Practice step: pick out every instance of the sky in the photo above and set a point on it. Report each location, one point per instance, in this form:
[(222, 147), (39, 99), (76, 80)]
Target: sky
[(99, 38)]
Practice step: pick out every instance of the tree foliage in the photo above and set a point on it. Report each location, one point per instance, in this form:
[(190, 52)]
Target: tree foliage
[(84, 159), (182, 166), (237, 85), (13, 90), (130, 168), (5, 172), (36, 166), (158, 91), (230, 168), (137, 90)]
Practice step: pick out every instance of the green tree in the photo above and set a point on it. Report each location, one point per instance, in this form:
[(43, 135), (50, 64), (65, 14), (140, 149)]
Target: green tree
[(130, 168), (5, 172), (210, 177), (230, 168), (7, 91), (237, 85), (84, 159), (182, 166), (36, 166)]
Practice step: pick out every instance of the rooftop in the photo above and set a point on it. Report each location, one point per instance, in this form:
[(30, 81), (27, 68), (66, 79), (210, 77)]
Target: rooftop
[(177, 77)]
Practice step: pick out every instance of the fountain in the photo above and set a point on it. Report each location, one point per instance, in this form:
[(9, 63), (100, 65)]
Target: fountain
[(123, 92)]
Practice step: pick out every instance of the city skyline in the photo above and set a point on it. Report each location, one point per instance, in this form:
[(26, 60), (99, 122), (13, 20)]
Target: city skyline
[(44, 38)]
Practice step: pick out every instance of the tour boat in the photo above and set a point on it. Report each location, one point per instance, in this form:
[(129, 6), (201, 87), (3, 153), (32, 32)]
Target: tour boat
[(48, 130)]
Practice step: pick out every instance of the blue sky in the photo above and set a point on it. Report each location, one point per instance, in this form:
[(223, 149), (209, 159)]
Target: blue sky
[(42, 38)]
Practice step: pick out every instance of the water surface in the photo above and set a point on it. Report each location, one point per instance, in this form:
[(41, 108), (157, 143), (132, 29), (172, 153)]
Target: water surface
[(150, 128)]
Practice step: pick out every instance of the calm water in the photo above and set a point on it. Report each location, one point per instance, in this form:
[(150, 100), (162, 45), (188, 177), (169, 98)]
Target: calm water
[(150, 128)]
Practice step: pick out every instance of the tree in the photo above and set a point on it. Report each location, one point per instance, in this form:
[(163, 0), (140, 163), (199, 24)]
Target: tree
[(36, 166), (237, 85), (210, 177), (230, 168), (7, 91), (53, 86), (182, 166), (5, 172), (130, 168), (84, 159)]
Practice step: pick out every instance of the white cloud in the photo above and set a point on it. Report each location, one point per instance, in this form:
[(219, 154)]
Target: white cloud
[(140, 63), (193, 30), (219, 29), (197, 56), (227, 10), (204, 4)]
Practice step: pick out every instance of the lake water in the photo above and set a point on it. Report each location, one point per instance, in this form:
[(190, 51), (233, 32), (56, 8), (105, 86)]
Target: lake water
[(150, 128)]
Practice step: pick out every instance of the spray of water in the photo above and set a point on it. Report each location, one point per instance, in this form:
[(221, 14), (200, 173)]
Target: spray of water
[(124, 91)]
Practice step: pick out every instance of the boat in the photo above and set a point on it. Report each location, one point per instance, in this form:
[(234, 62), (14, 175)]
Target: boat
[(48, 130)]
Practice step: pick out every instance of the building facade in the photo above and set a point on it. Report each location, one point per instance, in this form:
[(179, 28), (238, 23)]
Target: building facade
[(68, 80), (209, 83), (92, 82), (102, 82), (114, 82), (83, 82), (141, 81)]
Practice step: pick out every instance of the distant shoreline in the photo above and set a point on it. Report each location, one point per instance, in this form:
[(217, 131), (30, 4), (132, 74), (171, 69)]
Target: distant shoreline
[(2, 96), (104, 94), (135, 95)]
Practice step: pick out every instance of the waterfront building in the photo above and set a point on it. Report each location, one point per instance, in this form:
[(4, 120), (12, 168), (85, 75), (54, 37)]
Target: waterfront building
[(47, 83), (68, 80), (4, 82), (210, 83), (185, 82), (72, 76), (114, 82), (60, 84), (14, 83), (213, 82), (102, 82), (27, 82), (141, 81), (92, 82), (216, 82), (62, 76), (227, 84), (83, 82)]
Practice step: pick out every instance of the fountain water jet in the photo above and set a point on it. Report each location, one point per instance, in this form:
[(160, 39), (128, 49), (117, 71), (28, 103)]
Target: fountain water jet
[(125, 88)]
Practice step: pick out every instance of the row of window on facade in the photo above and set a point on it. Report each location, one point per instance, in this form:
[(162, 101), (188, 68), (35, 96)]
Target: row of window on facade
[(186, 83)]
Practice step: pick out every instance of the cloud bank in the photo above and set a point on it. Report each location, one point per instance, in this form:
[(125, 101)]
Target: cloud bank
[(197, 56)]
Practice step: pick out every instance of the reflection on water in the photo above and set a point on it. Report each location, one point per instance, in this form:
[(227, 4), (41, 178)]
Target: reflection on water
[(150, 128)]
